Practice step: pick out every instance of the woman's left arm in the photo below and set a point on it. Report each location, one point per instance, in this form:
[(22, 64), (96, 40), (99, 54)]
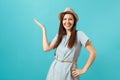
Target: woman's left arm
[(91, 59), (92, 56)]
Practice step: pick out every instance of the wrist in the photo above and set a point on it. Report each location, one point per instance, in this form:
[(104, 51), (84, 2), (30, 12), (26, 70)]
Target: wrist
[(84, 70)]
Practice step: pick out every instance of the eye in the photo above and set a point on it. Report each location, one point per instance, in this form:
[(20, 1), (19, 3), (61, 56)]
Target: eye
[(70, 19), (64, 19)]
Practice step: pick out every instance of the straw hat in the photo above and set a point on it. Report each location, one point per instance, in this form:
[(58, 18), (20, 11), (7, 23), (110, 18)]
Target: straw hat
[(71, 11)]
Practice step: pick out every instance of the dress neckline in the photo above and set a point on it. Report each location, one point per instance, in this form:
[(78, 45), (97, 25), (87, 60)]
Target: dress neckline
[(67, 35)]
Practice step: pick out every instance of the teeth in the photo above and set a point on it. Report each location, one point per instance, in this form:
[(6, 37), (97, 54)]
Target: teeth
[(67, 24)]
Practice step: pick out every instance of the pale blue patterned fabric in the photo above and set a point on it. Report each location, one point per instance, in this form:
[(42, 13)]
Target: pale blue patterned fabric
[(62, 70)]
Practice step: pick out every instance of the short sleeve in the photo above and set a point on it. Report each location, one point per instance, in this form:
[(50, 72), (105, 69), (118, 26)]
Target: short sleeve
[(82, 37), (55, 38)]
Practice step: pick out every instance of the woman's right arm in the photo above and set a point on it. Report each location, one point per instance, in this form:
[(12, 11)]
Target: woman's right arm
[(46, 46)]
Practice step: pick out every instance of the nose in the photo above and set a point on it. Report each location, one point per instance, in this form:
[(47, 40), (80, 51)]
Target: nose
[(67, 20)]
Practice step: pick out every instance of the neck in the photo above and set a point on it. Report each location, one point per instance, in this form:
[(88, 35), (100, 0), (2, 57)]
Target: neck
[(68, 32)]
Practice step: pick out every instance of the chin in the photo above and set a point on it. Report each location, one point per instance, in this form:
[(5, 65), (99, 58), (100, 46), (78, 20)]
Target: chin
[(68, 28)]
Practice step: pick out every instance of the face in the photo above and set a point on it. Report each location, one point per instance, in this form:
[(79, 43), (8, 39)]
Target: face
[(68, 21)]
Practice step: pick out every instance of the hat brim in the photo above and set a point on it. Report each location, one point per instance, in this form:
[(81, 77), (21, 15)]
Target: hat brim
[(60, 15)]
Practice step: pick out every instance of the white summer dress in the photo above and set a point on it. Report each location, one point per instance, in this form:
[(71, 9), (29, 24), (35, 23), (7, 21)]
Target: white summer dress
[(62, 70)]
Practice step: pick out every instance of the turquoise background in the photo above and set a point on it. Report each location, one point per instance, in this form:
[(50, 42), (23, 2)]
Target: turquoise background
[(21, 53)]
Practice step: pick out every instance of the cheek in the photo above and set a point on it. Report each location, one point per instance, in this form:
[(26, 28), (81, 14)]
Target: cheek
[(63, 22), (72, 22)]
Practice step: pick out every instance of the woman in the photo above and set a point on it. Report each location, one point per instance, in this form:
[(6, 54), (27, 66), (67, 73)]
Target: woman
[(68, 43)]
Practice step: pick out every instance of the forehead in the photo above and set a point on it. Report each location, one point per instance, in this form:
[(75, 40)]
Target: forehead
[(68, 15)]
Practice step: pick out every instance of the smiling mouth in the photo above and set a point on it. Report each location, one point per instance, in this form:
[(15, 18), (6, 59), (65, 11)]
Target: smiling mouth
[(67, 25)]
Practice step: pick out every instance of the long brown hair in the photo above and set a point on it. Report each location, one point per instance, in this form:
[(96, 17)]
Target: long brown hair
[(62, 32)]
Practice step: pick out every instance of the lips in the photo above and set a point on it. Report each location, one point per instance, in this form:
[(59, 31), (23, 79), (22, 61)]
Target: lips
[(67, 24)]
